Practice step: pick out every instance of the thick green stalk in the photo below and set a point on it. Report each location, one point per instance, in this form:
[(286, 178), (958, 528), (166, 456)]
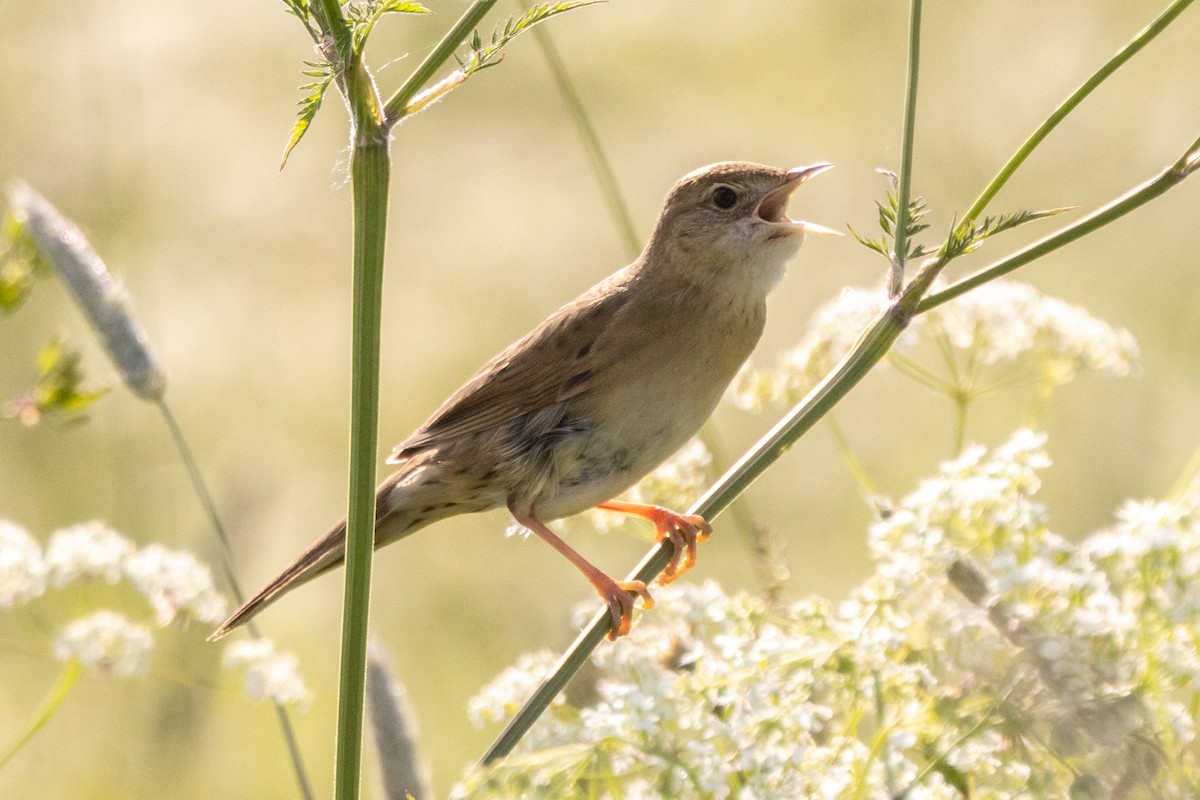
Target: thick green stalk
[(1067, 106), (369, 170), (396, 107), (904, 190)]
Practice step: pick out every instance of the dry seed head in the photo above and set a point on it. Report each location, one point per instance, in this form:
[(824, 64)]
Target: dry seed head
[(105, 305)]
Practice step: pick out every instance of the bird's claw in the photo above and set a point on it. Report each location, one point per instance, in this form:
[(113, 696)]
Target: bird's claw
[(620, 597), (684, 532)]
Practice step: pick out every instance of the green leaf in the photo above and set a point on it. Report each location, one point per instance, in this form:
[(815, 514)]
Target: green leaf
[(873, 244), (363, 16), (59, 388), (968, 236), (310, 105), (20, 264), (482, 57), (917, 211)]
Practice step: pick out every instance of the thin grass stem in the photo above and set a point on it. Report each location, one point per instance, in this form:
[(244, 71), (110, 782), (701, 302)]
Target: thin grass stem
[(210, 509), (601, 166)]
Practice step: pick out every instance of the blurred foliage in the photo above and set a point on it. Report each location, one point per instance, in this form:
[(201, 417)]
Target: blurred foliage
[(159, 128), (59, 390)]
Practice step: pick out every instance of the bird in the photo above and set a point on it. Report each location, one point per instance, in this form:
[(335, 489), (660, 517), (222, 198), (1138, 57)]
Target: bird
[(602, 391)]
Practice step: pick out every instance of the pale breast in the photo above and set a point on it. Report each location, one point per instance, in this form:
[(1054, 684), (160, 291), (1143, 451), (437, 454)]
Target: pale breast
[(649, 404)]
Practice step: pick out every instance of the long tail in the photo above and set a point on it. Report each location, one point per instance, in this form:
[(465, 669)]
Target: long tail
[(394, 519)]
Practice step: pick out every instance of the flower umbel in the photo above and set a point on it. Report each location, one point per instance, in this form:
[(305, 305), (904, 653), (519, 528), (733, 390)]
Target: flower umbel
[(985, 657), (89, 550), (268, 674), (106, 642), (22, 568), (175, 583)]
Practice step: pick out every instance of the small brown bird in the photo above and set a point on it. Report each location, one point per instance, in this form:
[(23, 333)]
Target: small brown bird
[(603, 391)]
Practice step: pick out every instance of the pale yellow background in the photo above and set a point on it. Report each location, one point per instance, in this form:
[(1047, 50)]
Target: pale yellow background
[(158, 127)]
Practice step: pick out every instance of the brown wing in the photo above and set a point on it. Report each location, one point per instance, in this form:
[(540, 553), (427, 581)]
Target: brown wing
[(554, 362)]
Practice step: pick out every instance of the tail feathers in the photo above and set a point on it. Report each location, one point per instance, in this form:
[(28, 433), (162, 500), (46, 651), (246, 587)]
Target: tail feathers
[(411, 498), (325, 553)]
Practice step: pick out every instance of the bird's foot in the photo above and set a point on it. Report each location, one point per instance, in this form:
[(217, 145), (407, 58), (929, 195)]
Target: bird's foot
[(619, 595), (684, 531)]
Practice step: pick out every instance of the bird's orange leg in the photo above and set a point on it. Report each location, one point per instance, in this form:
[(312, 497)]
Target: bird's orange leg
[(617, 594), (683, 531)]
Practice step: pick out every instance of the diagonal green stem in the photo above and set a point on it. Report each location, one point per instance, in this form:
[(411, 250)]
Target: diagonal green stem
[(395, 108), (44, 712), (1134, 198), (904, 190), (869, 350), (871, 347), (602, 169), (1067, 106)]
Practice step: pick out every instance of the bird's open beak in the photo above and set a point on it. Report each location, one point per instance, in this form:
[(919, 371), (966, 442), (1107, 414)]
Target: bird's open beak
[(771, 209)]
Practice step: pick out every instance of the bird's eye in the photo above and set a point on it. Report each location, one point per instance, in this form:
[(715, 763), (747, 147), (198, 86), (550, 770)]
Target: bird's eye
[(724, 197)]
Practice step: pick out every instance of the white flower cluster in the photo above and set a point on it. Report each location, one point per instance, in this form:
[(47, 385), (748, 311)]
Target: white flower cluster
[(269, 674), (1002, 322), (175, 583), (985, 657), (178, 587), (86, 551), (22, 568), (106, 642), (1005, 320)]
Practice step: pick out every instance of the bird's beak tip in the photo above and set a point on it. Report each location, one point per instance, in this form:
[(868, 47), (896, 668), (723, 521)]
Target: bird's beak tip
[(814, 229), (802, 174)]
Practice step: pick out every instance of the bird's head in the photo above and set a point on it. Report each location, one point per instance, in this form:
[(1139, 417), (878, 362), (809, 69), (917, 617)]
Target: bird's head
[(731, 218)]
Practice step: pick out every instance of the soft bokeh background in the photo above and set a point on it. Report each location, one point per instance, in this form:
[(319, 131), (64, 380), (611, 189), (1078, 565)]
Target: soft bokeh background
[(158, 127)]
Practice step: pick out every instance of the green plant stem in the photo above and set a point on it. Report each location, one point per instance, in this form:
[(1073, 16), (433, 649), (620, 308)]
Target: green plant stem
[(396, 107), (1067, 106), (871, 347), (857, 470), (904, 190), (210, 509), (329, 16), (369, 171), (1166, 180), (44, 712)]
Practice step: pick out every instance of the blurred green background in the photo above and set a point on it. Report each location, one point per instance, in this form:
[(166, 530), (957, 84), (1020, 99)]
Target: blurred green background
[(159, 130)]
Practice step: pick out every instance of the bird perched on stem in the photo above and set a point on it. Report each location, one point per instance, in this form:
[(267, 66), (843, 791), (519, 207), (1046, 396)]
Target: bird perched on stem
[(601, 392)]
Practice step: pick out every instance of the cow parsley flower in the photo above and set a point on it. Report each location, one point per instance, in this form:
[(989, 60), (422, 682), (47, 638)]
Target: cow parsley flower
[(22, 568), (107, 643), (986, 655), (175, 583), (87, 550), (268, 673), (1000, 324)]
